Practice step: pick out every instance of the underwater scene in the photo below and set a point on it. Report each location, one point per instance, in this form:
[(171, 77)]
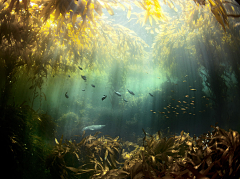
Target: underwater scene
[(120, 89)]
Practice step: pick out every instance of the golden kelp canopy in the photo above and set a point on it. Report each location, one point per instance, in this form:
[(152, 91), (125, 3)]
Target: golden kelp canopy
[(89, 9)]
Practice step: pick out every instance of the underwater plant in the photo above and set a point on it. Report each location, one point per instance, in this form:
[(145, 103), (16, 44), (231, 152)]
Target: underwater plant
[(91, 156), (26, 136)]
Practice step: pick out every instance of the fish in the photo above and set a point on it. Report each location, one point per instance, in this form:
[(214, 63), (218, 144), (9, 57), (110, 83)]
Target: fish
[(93, 127), (84, 77), (193, 89), (125, 100), (131, 92), (104, 97), (117, 93), (66, 95), (151, 94), (93, 85), (184, 81), (69, 76), (80, 68), (83, 89)]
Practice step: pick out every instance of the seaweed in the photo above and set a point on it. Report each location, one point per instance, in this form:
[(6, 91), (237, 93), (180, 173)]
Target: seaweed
[(27, 137), (91, 156)]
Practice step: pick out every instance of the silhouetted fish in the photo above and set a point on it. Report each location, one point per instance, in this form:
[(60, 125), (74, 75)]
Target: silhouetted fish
[(125, 100), (104, 97), (80, 68), (131, 92), (93, 85), (93, 127), (69, 76), (66, 95), (84, 77), (151, 94)]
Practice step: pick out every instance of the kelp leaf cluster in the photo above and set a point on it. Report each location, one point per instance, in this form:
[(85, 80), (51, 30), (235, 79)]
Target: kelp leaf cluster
[(91, 156)]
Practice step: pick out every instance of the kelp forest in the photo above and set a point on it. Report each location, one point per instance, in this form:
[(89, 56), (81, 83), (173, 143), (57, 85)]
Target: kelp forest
[(120, 89)]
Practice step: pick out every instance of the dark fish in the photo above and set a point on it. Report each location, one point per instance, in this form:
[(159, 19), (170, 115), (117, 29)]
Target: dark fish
[(117, 93), (53, 76), (80, 68), (151, 94), (69, 76), (84, 77), (131, 92), (93, 85), (125, 100), (83, 89), (104, 97), (66, 95)]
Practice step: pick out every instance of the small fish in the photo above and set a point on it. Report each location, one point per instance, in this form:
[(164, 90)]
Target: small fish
[(193, 89), (93, 85), (69, 76), (104, 97), (84, 78), (125, 100), (184, 81), (151, 94), (186, 75), (53, 76), (80, 68), (83, 89), (186, 96), (131, 92), (66, 95), (117, 93)]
